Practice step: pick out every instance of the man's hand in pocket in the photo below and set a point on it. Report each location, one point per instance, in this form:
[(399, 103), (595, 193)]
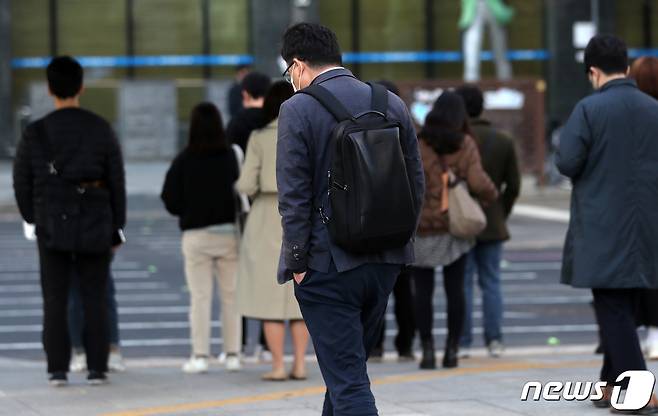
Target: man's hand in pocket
[(299, 277)]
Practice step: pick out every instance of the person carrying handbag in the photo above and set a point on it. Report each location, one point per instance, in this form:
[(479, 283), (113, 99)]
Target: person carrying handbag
[(449, 220)]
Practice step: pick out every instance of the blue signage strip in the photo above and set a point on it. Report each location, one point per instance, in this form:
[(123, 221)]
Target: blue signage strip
[(348, 58), (436, 56), (141, 61)]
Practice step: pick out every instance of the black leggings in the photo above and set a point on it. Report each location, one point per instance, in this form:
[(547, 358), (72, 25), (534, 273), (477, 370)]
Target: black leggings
[(453, 284)]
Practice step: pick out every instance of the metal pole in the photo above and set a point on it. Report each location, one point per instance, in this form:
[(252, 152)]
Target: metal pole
[(647, 32), (356, 34), (53, 27), (6, 125), (430, 67), (205, 33), (130, 36), (596, 14)]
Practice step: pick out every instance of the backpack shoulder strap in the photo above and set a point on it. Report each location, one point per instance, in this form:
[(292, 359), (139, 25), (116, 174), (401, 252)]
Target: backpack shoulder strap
[(379, 98), (328, 101)]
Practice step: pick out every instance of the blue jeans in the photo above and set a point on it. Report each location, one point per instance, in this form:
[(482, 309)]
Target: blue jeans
[(484, 260), (343, 313), (76, 315)]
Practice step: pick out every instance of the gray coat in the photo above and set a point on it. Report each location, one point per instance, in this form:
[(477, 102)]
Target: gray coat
[(609, 148), (303, 151)]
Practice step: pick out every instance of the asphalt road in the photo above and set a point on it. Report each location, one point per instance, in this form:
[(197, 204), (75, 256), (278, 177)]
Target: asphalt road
[(153, 299)]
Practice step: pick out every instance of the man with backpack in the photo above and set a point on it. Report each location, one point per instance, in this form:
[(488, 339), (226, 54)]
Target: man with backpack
[(350, 186), (69, 181)]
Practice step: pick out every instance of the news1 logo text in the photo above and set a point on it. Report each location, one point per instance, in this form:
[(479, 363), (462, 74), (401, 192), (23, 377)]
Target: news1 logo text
[(637, 395)]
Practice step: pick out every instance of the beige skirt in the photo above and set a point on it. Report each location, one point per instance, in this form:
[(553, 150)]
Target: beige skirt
[(259, 294)]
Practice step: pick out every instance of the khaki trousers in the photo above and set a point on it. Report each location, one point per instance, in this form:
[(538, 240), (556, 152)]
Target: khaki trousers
[(209, 256)]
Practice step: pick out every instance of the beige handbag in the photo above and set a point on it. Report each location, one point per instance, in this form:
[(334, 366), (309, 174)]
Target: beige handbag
[(465, 216)]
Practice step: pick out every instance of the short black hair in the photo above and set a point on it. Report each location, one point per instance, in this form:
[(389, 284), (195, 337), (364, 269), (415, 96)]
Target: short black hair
[(206, 129), (473, 99), (65, 77), (256, 84), (390, 85), (607, 53), (278, 93), (312, 43)]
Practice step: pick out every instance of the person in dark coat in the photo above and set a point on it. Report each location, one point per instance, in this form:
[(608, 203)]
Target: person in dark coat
[(69, 181), (403, 302), (609, 151), (251, 117), (645, 73), (235, 92), (342, 295), (500, 163)]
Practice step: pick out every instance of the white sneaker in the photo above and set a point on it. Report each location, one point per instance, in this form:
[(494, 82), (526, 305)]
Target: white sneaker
[(496, 349), (265, 356), (464, 352), (196, 365), (233, 362), (78, 363), (115, 362), (221, 358), (652, 351)]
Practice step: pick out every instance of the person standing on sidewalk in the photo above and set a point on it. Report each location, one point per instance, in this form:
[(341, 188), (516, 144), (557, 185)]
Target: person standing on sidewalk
[(500, 163), (76, 318), (342, 295), (645, 73), (199, 190), (609, 151), (69, 181), (402, 306), (260, 297), (446, 142), (254, 87)]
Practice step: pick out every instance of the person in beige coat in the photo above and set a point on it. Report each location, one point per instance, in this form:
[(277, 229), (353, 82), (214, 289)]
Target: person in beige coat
[(259, 294)]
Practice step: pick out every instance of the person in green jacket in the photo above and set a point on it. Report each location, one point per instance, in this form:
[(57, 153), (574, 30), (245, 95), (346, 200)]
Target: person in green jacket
[(500, 162), (476, 14)]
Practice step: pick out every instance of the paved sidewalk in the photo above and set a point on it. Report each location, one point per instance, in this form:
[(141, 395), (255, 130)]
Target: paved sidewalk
[(481, 386)]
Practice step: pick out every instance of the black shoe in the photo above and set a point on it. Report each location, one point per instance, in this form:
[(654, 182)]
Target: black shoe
[(96, 378), (601, 404), (405, 356), (376, 355), (428, 362), (598, 350), (58, 379), (450, 359), (648, 410)]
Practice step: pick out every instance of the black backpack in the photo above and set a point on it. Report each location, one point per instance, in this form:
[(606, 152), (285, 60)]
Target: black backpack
[(370, 193)]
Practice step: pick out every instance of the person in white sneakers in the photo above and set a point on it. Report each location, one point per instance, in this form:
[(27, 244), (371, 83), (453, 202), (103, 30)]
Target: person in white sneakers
[(199, 189)]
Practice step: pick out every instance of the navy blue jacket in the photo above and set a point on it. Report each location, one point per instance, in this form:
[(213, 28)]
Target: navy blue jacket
[(303, 153), (609, 148)]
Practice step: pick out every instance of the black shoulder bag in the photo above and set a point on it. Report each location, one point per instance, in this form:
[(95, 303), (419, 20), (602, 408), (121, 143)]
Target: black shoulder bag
[(78, 215)]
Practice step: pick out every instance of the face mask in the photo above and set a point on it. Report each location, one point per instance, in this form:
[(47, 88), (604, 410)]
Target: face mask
[(294, 87)]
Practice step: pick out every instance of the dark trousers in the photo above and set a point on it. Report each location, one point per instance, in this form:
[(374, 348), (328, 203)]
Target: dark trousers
[(56, 270), (343, 313), (453, 284), (615, 313), (77, 316), (404, 317)]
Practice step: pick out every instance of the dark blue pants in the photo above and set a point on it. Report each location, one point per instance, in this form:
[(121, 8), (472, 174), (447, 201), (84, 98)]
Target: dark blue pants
[(76, 313), (343, 313)]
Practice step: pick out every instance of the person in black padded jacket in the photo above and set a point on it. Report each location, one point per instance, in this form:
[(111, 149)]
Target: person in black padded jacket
[(69, 181), (199, 190)]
